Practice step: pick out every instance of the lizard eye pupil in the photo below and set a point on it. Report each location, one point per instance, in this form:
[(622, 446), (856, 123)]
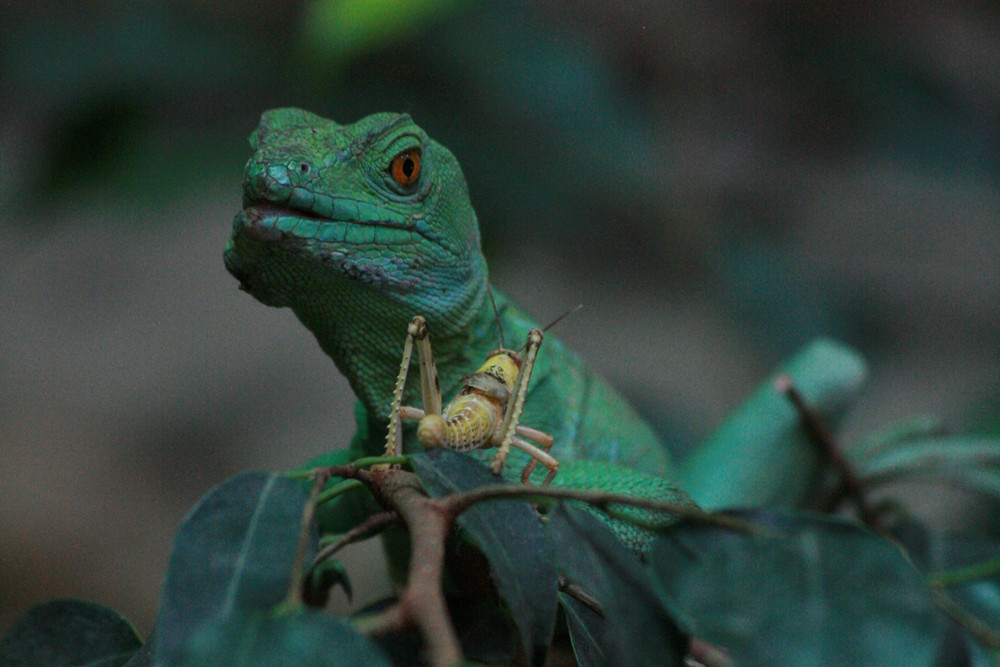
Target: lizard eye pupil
[(405, 168)]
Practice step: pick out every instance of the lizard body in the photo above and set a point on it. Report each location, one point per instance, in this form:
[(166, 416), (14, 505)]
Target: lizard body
[(327, 231)]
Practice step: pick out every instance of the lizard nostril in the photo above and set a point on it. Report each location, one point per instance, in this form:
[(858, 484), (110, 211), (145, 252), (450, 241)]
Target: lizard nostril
[(304, 168)]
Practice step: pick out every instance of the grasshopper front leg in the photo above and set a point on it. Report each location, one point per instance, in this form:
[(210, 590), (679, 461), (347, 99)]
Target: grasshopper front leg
[(430, 385), (515, 406)]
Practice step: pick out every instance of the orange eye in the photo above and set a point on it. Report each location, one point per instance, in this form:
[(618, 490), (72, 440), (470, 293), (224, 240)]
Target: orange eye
[(405, 168)]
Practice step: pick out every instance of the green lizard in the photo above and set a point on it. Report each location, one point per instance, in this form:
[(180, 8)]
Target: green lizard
[(359, 228)]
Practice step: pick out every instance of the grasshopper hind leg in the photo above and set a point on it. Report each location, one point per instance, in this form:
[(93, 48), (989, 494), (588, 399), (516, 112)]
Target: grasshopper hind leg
[(537, 454)]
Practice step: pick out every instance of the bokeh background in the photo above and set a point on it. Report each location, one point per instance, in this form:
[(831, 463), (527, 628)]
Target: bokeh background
[(718, 182)]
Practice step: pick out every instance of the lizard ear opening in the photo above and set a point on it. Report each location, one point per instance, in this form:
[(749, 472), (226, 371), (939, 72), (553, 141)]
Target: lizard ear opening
[(405, 168)]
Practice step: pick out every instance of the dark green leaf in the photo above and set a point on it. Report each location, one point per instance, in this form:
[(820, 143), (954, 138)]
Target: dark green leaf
[(806, 590), (760, 456), (586, 631), (510, 535), (301, 638), (326, 575), (639, 628), (235, 551), (69, 632), (144, 656)]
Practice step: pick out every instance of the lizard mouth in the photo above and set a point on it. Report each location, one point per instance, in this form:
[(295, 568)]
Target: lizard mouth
[(336, 222)]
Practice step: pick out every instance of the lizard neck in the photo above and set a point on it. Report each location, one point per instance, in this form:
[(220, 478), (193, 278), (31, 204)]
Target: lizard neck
[(363, 330)]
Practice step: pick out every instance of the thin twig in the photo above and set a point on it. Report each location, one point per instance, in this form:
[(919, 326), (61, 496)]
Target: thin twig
[(580, 594), (965, 575), (294, 597), (361, 531), (982, 632), (455, 504), (829, 449)]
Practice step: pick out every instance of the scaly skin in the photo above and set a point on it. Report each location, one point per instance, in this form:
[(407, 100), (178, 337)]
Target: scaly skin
[(327, 232)]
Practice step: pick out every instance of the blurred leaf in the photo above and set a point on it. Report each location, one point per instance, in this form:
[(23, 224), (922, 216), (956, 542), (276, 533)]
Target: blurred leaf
[(302, 638), (809, 590), (509, 534), (69, 632), (638, 628), (340, 29), (235, 551), (760, 455), (972, 462), (912, 428)]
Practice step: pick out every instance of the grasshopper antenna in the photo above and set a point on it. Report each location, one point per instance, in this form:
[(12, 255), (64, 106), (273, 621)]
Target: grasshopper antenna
[(496, 315), (555, 322), (560, 318)]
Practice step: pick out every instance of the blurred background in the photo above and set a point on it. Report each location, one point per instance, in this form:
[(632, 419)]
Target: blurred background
[(718, 182)]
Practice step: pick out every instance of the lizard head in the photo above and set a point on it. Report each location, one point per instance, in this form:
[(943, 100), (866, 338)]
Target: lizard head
[(356, 228), (375, 203)]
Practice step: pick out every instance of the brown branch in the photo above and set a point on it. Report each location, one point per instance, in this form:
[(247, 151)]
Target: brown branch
[(422, 601), (347, 471), (829, 448)]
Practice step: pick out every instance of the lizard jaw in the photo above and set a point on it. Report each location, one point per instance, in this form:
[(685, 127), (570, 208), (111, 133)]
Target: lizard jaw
[(272, 223)]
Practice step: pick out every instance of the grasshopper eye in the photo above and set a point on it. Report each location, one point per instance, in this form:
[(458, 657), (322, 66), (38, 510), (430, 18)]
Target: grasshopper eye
[(405, 168)]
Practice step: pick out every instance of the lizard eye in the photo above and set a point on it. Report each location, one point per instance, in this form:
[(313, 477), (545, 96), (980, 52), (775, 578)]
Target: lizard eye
[(405, 168)]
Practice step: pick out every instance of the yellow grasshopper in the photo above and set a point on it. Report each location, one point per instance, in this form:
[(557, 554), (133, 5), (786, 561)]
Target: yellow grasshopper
[(484, 414)]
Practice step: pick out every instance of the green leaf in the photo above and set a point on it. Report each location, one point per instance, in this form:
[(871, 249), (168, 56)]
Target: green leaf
[(69, 632), (301, 638), (805, 590), (760, 456), (510, 535), (638, 628), (235, 551), (587, 632)]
